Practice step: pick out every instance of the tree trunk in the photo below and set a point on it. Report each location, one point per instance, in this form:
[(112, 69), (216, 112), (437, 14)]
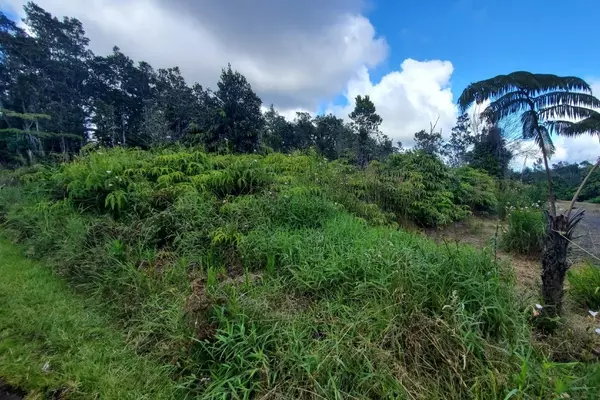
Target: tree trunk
[(551, 198), (559, 233)]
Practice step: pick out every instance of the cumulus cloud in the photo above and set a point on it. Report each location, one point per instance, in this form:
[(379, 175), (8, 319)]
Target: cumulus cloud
[(408, 99), (295, 54)]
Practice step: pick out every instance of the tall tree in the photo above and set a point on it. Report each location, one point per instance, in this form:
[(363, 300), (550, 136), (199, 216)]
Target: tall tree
[(277, 133), (240, 120), (366, 124), (44, 70), (461, 139), (332, 136), (490, 153), (538, 99)]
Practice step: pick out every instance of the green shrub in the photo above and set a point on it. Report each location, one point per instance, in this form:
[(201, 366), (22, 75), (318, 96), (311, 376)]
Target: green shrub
[(584, 285), (515, 194), (525, 231), (475, 189)]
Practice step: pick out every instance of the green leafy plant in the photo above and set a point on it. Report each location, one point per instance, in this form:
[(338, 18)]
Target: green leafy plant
[(584, 285), (525, 230)]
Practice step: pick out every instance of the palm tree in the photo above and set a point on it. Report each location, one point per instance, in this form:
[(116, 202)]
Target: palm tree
[(545, 104)]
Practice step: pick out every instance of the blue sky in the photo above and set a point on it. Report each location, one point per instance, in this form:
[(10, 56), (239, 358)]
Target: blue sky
[(490, 37)]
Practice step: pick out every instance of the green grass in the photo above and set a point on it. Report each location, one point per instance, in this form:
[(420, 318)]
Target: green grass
[(282, 277), (43, 323), (585, 285)]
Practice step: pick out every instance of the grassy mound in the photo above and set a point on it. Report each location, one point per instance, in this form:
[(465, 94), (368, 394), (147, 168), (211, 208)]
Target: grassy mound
[(286, 276)]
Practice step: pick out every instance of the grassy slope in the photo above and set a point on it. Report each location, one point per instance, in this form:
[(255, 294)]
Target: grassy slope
[(41, 321), (290, 295)]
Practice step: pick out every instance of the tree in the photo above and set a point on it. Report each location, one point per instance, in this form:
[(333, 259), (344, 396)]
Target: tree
[(490, 153), (538, 100), (366, 124), (277, 132), (44, 71), (304, 132), (461, 139), (332, 136), (430, 142), (239, 120)]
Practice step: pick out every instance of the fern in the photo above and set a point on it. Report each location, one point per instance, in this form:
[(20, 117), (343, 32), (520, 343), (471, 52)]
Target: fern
[(116, 200)]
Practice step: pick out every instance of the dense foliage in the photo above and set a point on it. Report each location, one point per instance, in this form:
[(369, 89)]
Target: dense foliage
[(566, 179), (249, 274), (56, 96)]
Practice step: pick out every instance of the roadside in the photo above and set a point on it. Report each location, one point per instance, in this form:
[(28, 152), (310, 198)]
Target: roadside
[(578, 340), (55, 344)]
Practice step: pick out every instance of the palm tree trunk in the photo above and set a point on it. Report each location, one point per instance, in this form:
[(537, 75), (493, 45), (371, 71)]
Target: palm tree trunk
[(551, 198), (559, 233), (554, 253)]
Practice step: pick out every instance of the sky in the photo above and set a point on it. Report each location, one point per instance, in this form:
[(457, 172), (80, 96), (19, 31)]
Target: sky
[(413, 57)]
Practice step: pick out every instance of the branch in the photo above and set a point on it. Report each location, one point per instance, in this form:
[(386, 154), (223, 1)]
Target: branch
[(581, 188)]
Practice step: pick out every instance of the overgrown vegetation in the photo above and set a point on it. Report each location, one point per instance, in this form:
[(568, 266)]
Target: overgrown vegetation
[(247, 272), (286, 275), (525, 230), (584, 285), (56, 345)]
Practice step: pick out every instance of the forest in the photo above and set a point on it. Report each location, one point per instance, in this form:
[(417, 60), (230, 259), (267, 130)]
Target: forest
[(171, 241)]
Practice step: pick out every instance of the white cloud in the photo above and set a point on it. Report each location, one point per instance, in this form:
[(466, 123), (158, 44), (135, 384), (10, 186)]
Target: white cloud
[(408, 100), (582, 148), (295, 54), (288, 113)]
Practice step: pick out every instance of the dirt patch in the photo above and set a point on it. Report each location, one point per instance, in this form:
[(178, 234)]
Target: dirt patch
[(197, 308), (8, 392)]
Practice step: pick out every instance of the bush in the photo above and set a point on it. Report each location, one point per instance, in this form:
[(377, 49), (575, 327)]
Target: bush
[(475, 189), (515, 194), (525, 231), (585, 285)]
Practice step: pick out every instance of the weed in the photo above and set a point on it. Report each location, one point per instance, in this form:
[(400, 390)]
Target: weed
[(584, 285), (525, 231)]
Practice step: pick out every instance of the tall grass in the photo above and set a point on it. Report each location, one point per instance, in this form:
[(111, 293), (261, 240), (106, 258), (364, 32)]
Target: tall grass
[(584, 285), (286, 276), (525, 231)]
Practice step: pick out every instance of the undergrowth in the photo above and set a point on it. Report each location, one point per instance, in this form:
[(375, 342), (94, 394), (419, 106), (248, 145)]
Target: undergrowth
[(584, 285), (525, 230), (285, 276)]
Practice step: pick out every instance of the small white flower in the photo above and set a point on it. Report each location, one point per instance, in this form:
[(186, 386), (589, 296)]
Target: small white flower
[(593, 313), (46, 367), (597, 331), (538, 306), (108, 172), (110, 185)]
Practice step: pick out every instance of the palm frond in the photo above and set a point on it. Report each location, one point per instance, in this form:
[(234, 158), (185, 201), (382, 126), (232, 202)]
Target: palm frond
[(570, 98), (506, 105), (536, 84), (523, 81), (562, 111), (530, 123), (558, 127), (590, 125)]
